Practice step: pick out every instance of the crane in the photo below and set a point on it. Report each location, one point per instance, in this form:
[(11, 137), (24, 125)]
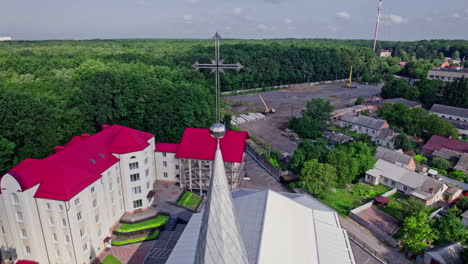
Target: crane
[(350, 79), (267, 109)]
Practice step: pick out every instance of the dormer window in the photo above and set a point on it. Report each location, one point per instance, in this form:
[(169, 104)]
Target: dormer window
[(101, 155), (92, 161), (133, 157)]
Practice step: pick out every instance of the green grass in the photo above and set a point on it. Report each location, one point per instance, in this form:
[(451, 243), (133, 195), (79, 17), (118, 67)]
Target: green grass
[(190, 200), (152, 223), (110, 259), (394, 207), (154, 235), (344, 200)]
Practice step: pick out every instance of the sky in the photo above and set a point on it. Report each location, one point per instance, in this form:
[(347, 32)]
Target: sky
[(248, 19)]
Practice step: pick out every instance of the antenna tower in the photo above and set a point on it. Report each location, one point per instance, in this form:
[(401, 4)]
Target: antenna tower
[(379, 11)]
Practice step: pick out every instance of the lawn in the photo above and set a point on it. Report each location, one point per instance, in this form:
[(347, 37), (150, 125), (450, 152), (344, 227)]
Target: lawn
[(110, 259), (344, 200), (154, 235), (152, 223), (190, 200), (400, 204)]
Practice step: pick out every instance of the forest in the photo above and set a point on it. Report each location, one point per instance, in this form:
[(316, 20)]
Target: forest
[(53, 90)]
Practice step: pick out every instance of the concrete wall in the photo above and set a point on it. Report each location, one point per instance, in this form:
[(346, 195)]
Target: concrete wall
[(167, 167), (451, 117)]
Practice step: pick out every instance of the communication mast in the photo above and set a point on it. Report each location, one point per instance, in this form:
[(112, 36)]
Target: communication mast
[(379, 11)]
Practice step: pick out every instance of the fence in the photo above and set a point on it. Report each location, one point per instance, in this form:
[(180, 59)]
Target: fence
[(367, 248), (377, 231), (276, 173)]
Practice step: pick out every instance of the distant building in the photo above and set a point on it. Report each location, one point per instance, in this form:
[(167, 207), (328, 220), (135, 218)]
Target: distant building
[(449, 254), (456, 115), (338, 113), (438, 143), (6, 39), (462, 164), (402, 63), (396, 157), (446, 75), (376, 104), (416, 185), (385, 53), (336, 137)]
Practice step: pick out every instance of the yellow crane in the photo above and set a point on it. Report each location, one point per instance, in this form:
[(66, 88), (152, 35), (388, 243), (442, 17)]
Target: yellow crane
[(349, 81), (267, 109)]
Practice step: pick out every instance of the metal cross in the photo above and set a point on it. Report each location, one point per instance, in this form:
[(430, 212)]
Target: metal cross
[(217, 66)]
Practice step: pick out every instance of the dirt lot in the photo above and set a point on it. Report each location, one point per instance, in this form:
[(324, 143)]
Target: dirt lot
[(385, 222), (288, 103)]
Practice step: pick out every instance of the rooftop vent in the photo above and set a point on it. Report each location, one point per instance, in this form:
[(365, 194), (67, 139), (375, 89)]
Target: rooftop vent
[(101, 155), (92, 161)]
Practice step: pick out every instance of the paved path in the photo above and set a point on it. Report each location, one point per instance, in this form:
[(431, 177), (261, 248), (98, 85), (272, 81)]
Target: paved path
[(390, 253), (259, 178), (361, 256), (164, 245)]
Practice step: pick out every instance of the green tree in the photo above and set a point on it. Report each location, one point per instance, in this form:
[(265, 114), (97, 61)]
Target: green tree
[(313, 120), (441, 163), (359, 100), (417, 232), (317, 178), (450, 229), (462, 204), (420, 159), (403, 142), (318, 109), (308, 150), (456, 93), (455, 55), (7, 151), (347, 167), (458, 175), (428, 90)]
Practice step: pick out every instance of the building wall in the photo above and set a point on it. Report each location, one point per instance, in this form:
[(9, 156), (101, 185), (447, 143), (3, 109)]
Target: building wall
[(360, 129), (411, 165), (446, 76), (465, 221), (451, 117), (167, 167), (389, 183)]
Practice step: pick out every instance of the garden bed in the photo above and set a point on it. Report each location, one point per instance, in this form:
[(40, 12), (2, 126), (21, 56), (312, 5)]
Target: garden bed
[(125, 240), (190, 200), (110, 259), (160, 220), (344, 200)]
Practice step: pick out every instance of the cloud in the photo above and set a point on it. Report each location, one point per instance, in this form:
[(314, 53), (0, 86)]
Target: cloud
[(343, 15), (192, 1), (332, 28), (456, 15), (236, 11), (188, 19), (262, 27), (287, 20), (394, 19)]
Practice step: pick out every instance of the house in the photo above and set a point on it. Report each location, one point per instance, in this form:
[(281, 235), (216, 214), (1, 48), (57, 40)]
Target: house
[(62, 209), (386, 137), (444, 64), (462, 164), (456, 115), (385, 53), (446, 75), (416, 185), (363, 124), (464, 217), (448, 254), (338, 113), (376, 104), (437, 143), (402, 63), (396, 157), (333, 137), (450, 155), (6, 39)]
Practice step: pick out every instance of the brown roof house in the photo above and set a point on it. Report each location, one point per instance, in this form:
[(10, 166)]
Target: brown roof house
[(377, 129)]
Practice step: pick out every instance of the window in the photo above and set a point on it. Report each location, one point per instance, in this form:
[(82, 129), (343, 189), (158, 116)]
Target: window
[(85, 247), (97, 218), (23, 233), (64, 222), (120, 193), (164, 154), (94, 203), (78, 215), (55, 237), (92, 161), (99, 233), (58, 253), (393, 182), (133, 165), (15, 198), (147, 172), (134, 177), (101, 155), (112, 199), (146, 160), (48, 206), (92, 189), (110, 186), (51, 221), (19, 216), (147, 185), (177, 167), (118, 180), (165, 174), (137, 203), (405, 188), (136, 190), (385, 180), (82, 232), (67, 238), (165, 163), (28, 250), (3, 230), (61, 207), (77, 201)]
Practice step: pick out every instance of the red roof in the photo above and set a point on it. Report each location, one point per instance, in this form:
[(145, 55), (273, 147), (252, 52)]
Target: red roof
[(438, 142), (26, 262), (197, 143), (166, 147), (67, 172)]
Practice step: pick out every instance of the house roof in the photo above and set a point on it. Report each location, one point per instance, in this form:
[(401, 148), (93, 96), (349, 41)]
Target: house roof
[(462, 163), (335, 137), (22, 261), (404, 176), (450, 110), (465, 214), (410, 104), (166, 147), (438, 142), (197, 143), (447, 154), (80, 163), (393, 156), (387, 134), (363, 120), (448, 254), (308, 231)]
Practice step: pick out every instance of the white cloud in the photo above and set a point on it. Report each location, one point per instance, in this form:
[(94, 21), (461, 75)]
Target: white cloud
[(236, 11), (188, 19), (394, 19), (287, 20), (343, 15), (332, 28), (192, 1), (262, 27), (456, 15)]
